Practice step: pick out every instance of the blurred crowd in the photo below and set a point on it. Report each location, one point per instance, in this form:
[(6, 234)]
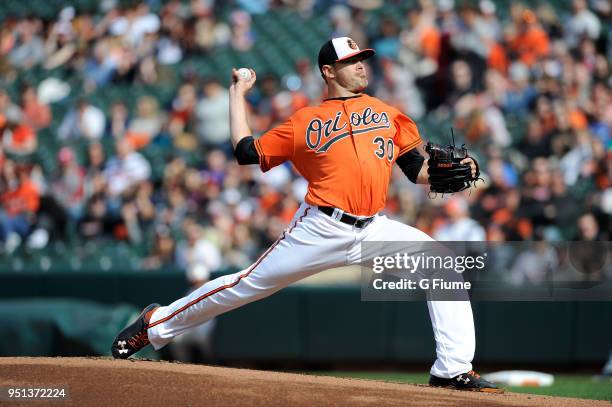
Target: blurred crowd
[(529, 90)]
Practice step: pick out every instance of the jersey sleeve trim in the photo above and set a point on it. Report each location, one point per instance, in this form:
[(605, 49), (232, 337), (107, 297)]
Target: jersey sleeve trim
[(267, 161), (262, 160), (410, 146)]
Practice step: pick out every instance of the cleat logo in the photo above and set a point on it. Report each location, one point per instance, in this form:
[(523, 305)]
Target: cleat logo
[(465, 380), (121, 345)]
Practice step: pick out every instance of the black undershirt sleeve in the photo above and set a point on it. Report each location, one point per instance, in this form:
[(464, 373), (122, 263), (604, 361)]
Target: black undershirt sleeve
[(245, 151), (411, 162)]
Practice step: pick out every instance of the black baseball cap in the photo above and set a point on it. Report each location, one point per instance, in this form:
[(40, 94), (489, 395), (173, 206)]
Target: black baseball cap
[(341, 49)]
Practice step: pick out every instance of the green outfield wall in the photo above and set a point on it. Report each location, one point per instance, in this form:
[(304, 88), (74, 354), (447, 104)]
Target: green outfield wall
[(299, 323)]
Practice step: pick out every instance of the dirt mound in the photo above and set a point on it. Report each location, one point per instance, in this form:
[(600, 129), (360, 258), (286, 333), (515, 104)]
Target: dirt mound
[(101, 381)]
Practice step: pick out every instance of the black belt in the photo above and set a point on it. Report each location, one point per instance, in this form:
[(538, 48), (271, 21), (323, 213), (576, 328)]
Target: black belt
[(346, 218)]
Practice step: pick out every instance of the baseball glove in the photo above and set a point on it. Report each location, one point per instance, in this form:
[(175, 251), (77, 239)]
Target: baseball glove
[(446, 174)]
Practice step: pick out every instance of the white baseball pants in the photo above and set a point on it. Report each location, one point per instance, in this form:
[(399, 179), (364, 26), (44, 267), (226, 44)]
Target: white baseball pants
[(314, 242)]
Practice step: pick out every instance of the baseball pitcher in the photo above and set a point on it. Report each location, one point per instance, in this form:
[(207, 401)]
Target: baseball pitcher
[(345, 148)]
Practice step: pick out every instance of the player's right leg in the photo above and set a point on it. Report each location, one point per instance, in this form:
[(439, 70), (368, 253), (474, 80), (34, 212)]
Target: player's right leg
[(312, 243), (452, 321)]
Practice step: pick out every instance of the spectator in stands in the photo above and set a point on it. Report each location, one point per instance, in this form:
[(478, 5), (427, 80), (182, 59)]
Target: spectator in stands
[(387, 44), (498, 204), (9, 111), (182, 115), (600, 111), (118, 121), (534, 264), (195, 250), (169, 50), (421, 34), (216, 168), (210, 32), (60, 44), (8, 37), (520, 92), (20, 200), (138, 212), (212, 115), (262, 103), (286, 102), (136, 23), (100, 66), (310, 80), (536, 143), (588, 259), (147, 123), (462, 81), (19, 139), (35, 114), (163, 253), (527, 38), (579, 162), (95, 180), (480, 118), (341, 21), (397, 86), (84, 121), (97, 221), (68, 188), (126, 64), (460, 226), (243, 35), (29, 48), (583, 23), (472, 41), (565, 208), (242, 248), (538, 192), (125, 170), (448, 19), (489, 25), (175, 35), (588, 228)]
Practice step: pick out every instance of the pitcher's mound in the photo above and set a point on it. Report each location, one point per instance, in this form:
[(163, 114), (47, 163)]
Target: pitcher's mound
[(126, 383)]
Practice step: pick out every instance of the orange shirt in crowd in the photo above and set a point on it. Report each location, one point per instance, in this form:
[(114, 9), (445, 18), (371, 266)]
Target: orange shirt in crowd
[(37, 115), (24, 198), (497, 58), (137, 140), (22, 136), (430, 42), (531, 44), (578, 120), (345, 148)]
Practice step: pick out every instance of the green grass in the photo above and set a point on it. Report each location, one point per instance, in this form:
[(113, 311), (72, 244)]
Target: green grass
[(579, 386)]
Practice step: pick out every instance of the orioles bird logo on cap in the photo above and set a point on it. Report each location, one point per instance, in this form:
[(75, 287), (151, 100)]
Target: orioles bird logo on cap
[(352, 44)]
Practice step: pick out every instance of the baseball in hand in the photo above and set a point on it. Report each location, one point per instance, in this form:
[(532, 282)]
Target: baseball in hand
[(244, 73)]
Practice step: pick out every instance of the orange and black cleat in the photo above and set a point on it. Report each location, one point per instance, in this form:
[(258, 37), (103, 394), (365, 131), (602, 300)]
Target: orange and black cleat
[(470, 381), (134, 337)]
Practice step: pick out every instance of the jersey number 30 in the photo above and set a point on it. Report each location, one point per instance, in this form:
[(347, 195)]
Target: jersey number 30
[(385, 148)]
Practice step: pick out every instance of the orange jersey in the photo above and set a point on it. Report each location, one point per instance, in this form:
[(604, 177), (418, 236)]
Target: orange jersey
[(345, 148), (531, 45), (22, 199)]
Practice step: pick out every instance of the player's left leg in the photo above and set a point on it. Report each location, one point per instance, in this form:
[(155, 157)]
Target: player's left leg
[(313, 242), (452, 321)]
